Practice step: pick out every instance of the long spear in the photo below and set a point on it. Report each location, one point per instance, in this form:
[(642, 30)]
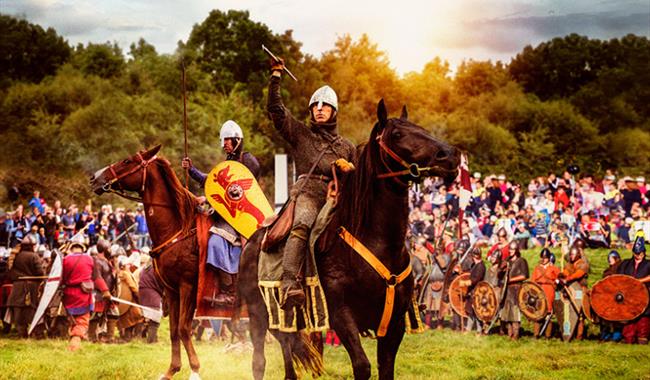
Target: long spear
[(184, 117)]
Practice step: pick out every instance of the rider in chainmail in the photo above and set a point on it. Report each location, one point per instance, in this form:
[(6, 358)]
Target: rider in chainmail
[(305, 145)]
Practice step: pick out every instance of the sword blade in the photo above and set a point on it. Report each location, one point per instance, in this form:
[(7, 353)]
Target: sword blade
[(267, 51), (144, 308)]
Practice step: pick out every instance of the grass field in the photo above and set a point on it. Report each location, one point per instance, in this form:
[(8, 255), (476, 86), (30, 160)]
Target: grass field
[(431, 355)]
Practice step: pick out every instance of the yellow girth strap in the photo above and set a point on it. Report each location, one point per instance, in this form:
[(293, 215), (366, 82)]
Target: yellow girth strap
[(380, 268)]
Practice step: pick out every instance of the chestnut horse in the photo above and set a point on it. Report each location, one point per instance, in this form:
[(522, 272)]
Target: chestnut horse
[(170, 212), (373, 208)]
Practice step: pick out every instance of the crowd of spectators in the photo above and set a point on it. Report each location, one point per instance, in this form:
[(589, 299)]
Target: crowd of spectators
[(52, 224), (545, 212)]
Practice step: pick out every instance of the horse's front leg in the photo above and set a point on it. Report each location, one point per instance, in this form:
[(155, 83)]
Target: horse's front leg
[(343, 323), (187, 307), (387, 347), (174, 312)]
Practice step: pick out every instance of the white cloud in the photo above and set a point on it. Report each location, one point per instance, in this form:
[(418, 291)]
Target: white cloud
[(412, 32)]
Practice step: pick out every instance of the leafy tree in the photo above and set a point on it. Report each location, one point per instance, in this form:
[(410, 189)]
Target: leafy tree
[(628, 150), (429, 90), (474, 77), (228, 46), (27, 52), (104, 60), (558, 68)]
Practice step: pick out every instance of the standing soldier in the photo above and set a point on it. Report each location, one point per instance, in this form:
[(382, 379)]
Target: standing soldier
[(224, 244), (638, 267), (320, 141), (517, 273), (79, 278), (576, 270), (459, 268), (611, 330), (103, 308), (476, 275), (24, 294), (433, 290), (130, 322), (544, 275), (150, 291)]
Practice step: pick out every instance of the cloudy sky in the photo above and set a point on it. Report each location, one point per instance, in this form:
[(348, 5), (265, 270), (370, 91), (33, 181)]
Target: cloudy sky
[(412, 32)]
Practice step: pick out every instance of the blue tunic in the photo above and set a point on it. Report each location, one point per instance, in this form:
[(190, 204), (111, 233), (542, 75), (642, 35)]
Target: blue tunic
[(223, 255)]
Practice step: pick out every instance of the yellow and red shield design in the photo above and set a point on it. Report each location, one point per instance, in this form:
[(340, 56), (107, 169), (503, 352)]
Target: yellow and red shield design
[(233, 192)]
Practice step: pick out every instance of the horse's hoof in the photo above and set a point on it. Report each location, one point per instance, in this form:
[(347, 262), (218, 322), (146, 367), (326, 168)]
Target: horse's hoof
[(195, 376)]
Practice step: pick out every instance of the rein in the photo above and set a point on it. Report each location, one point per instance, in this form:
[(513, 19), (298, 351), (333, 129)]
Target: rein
[(413, 169), (391, 279), (121, 192)]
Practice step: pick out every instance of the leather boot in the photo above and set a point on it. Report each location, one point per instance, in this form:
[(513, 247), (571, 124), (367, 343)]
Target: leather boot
[(427, 319), (111, 326), (580, 330), (152, 332), (294, 255), (226, 296), (138, 330), (92, 330)]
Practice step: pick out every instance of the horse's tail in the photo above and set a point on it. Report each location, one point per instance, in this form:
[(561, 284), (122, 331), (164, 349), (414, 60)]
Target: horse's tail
[(306, 355)]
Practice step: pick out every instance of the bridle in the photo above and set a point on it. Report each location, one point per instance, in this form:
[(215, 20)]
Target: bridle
[(413, 170), (107, 187)]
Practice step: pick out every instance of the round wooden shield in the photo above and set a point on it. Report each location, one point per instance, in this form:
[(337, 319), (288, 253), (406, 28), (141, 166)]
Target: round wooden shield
[(532, 301), (619, 298), (457, 295), (485, 301)]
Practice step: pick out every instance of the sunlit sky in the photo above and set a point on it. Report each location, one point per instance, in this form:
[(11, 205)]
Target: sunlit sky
[(411, 32)]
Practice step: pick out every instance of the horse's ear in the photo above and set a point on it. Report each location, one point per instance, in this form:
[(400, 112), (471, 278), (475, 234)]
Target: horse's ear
[(153, 151), (382, 114), (405, 114)]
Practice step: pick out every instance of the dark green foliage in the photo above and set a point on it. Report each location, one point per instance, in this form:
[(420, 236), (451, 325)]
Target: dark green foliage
[(27, 52), (103, 60)]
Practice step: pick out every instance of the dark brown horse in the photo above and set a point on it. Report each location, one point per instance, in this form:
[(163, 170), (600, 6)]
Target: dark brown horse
[(373, 207), (170, 212)]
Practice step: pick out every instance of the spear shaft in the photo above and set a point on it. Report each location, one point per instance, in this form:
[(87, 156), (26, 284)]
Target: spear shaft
[(184, 117)]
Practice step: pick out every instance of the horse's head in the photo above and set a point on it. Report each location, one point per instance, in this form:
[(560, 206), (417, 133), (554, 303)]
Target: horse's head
[(125, 175), (408, 152)]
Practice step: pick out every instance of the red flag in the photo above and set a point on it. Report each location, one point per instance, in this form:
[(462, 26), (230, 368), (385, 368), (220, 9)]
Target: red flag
[(464, 193)]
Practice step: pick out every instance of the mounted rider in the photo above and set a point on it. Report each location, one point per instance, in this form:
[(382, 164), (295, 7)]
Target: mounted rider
[(224, 244), (318, 141)]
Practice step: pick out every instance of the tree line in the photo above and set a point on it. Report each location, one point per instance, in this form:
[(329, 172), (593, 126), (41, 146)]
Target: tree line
[(69, 110)]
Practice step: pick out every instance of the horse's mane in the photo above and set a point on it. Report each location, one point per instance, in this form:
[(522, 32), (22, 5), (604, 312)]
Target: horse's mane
[(185, 201), (357, 195)]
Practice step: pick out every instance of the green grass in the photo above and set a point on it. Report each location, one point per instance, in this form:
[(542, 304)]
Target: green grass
[(431, 355)]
